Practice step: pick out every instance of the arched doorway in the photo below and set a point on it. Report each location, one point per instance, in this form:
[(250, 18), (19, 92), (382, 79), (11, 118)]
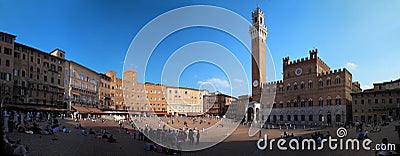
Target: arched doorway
[(329, 119), (310, 117), (338, 119), (250, 114)]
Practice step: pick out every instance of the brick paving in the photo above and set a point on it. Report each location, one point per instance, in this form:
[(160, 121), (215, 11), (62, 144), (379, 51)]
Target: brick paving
[(239, 143)]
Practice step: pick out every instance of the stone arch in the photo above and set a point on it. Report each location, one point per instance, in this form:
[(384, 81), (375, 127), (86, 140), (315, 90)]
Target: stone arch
[(257, 114), (338, 118), (250, 114)]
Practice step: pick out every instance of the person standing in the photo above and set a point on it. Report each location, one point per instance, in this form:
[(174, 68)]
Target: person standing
[(198, 137), (134, 133)]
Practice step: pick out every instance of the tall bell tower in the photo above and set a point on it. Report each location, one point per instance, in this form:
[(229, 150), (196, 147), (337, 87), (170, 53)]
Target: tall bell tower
[(258, 33)]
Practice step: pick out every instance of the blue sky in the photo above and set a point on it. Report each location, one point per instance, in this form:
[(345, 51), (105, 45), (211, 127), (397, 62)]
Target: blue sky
[(361, 35)]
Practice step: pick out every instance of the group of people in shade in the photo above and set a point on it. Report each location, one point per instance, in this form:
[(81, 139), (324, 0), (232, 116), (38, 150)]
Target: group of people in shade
[(26, 122)]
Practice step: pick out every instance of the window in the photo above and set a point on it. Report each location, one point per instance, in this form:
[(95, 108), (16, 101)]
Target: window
[(8, 40), (7, 51), (302, 85), (288, 87), (337, 101), (16, 72), (310, 117), (16, 55), (320, 102), (295, 104), (328, 82), (320, 83), (337, 80), (310, 103), (295, 86), (288, 104), (302, 103), (7, 63), (281, 104)]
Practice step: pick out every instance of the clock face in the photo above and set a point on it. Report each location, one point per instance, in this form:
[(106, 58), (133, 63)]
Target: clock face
[(298, 71), (255, 83)]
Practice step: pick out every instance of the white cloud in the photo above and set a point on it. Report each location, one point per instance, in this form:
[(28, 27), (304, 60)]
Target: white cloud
[(363, 87), (217, 82), (351, 65), (237, 80)]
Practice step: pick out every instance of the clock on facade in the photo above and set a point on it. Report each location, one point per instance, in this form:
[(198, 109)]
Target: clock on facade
[(255, 83), (298, 71)]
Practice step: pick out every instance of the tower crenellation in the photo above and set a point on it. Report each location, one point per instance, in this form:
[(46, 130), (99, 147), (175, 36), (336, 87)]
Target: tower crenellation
[(313, 53)]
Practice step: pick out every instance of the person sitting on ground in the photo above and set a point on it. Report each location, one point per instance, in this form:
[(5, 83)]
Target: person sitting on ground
[(48, 131), (14, 147), (111, 139), (65, 130), (84, 132), (91, 131), (99, 136)]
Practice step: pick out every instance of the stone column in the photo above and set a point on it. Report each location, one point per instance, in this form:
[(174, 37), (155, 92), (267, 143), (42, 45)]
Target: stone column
[(22, 117), (255, 115), (6, 117)]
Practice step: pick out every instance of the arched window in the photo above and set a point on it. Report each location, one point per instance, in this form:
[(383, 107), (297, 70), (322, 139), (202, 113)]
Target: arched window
[(288, 87), (288, 104), (320, 83), (281, 104), (328, 81), (310, 102), (280, 88), (295, 86), (302, 85), (328, 101), (320, 102), (295, 103), (310, 85), (337, 101), (337, 80), (302, 103)]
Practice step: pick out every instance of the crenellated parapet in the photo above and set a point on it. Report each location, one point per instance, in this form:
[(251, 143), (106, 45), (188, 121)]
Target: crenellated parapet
[(333, 72), (313, 56)]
